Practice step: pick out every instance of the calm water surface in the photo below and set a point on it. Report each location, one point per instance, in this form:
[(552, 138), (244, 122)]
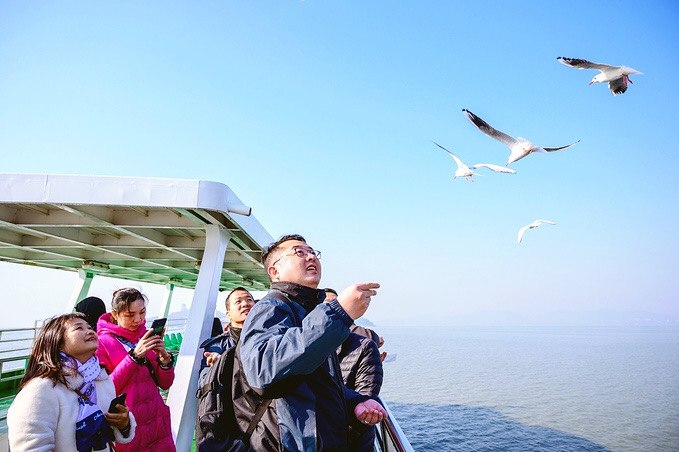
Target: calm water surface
[(534, 389)]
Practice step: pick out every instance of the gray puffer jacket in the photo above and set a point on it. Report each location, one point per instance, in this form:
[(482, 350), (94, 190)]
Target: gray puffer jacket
[(362, 371), (361, 365)]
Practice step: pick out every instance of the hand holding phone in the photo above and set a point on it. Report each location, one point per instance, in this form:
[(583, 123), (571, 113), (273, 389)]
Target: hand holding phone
[(120, 400), (158, 326)]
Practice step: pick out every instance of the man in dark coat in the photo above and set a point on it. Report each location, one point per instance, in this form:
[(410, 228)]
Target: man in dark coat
[(287, 353), (238, 304), (361, 371)]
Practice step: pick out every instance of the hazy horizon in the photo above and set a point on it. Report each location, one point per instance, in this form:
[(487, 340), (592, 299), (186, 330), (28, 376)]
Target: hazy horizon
[(61, 283)]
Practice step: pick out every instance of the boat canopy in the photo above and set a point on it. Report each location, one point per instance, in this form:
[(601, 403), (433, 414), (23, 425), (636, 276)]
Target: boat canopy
[(187, 233), (141, 229)]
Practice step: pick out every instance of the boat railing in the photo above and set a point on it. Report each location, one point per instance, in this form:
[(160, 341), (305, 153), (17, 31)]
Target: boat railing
[(16, 344), (390, 437), (15, 348)]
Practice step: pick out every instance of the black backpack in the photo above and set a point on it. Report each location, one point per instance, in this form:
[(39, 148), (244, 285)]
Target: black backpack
[(216, 425)]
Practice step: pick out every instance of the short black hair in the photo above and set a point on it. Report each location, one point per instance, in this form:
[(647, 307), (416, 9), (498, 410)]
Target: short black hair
[(269, 250), (328, 289)]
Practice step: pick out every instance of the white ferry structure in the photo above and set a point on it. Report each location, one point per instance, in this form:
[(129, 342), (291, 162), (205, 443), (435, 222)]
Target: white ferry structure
[(179, 233)]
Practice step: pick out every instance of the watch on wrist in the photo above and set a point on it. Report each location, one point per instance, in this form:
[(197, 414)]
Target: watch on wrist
[(166, 365), (141, 361)]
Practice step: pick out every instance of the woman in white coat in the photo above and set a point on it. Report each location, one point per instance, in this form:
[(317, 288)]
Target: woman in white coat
[(64, 396)]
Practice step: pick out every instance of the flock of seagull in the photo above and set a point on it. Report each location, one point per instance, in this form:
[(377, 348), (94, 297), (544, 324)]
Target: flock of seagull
[(617, 77)]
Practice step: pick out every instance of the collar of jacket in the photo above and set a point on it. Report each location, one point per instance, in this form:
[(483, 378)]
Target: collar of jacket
[(105, 325), (306, 296), (234, 333)]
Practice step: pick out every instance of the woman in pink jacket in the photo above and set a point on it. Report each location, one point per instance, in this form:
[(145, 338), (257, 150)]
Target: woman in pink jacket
[(138, 364)]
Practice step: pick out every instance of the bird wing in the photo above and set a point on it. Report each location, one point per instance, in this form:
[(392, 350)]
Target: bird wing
[(522, 231), (617, 86), (532, 225), (629, 71), (584, 64), (496, 168), (484, 127), (457, 160), (560, 147)]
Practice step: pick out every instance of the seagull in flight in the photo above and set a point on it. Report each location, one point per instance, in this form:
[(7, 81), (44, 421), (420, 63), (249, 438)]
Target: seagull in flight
[(468, 173), (533, 225), (616, 76), (519, 147)]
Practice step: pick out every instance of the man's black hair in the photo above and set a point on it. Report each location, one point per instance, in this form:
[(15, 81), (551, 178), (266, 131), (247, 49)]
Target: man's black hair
[(269, 250)]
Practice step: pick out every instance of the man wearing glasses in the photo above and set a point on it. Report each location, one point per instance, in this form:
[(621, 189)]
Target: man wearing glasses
[(287, 353)]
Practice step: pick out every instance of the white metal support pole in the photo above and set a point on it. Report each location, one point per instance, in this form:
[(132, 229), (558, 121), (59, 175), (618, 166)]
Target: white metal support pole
[(81, 289), (182, 397), (168, 300)]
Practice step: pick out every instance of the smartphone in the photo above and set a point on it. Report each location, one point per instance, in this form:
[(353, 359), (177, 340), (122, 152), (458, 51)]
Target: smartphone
[(158, 326), (120, 400)]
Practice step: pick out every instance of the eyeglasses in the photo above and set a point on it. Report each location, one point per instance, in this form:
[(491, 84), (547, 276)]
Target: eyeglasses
[(300, 252)]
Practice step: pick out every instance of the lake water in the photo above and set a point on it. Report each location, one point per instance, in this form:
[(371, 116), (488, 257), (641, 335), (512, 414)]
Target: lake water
[(535, 389)]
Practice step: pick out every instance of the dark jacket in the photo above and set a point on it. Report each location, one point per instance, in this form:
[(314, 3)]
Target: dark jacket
[(362, 371), (216, 344), (361, 365), (366, 332), (298, 368)]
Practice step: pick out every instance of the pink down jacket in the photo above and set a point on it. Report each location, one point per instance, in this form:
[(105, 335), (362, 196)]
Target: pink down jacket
[(143, 399)]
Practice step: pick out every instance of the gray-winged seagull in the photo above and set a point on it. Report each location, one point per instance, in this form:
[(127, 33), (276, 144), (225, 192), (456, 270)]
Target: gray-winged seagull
[(519, 147), (616, 76), (468, 173), (533, 225)]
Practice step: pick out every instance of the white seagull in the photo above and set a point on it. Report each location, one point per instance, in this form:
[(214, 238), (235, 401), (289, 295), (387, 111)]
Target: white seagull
[(519, 147), (616, 76), (533, 225), (468, 173)]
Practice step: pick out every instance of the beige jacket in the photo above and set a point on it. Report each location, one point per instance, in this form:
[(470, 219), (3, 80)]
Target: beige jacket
[(43, 416)]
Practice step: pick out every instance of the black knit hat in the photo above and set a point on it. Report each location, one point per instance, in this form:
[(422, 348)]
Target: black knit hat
[(93, 308)]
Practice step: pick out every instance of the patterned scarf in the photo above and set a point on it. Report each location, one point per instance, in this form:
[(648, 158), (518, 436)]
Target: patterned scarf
[(92, 432)]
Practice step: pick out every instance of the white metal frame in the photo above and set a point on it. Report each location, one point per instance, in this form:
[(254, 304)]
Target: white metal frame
[(164, 231)]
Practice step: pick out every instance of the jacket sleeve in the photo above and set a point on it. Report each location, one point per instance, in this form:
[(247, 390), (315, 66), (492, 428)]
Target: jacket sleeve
[(369, 373), (353, 398), (165, 376), (117, 434), (126, 371), (272, 347), (32, 418)]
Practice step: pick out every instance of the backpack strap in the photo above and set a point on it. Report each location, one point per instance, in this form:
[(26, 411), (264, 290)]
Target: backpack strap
[(255, 420), (129, 346)]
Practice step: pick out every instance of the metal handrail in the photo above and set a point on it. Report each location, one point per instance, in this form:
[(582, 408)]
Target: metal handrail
[(13, 330), (390, 437)]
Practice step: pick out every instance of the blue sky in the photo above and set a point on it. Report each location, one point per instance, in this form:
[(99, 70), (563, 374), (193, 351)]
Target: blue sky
[(320, 115)]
